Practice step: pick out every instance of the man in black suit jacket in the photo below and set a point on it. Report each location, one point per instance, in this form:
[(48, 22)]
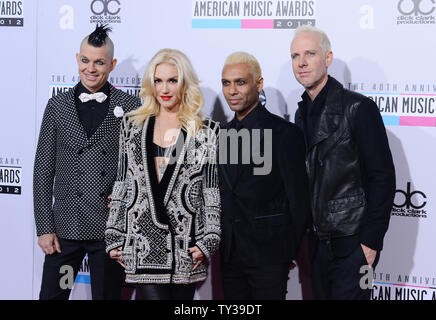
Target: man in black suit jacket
[(264, 195), (76, 163)]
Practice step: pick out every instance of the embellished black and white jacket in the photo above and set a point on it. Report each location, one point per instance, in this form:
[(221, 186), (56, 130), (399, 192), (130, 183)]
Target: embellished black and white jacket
[(156, 223)]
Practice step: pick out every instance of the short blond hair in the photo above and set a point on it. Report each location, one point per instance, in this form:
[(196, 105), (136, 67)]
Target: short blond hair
[(246, 58), (324, 42)]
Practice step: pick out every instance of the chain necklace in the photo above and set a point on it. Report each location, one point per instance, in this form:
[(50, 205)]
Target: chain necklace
[(161, 163), (163, 153)]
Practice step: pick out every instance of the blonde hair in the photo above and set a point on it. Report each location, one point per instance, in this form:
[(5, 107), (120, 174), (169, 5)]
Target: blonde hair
[(324, 42), (189, 93), (244, 57)]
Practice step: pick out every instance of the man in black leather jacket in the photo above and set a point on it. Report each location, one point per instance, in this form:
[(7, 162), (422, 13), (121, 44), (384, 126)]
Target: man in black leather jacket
[(350, 169)]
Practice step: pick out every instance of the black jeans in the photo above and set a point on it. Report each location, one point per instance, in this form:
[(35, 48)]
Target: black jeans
[(242, 282), (165, 291), (107, 276), (338, 277)]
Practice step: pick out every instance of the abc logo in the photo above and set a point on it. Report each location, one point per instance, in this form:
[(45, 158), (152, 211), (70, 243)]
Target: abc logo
[(409, 199), (105, 7)]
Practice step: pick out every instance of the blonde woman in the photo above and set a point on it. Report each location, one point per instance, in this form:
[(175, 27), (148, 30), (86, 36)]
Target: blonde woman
[(164, 218)]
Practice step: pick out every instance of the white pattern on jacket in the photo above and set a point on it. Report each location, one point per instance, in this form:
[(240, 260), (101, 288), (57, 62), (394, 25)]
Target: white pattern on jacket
[(77, 171), (155, 252)]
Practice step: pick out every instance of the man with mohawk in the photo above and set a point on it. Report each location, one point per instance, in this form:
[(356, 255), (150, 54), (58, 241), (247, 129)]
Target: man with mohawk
[(75, 167)]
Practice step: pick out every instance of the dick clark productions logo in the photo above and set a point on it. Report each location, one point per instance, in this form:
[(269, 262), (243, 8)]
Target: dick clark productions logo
[(416, 12), (99, 7), (105, 11), (410, 203), (408, 7)]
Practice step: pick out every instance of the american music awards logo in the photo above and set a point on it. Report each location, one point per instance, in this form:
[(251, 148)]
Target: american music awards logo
[(416, 12), (402, 104), (248, 14), (389, 286), (11, 14), (105, 11), (10, 175)]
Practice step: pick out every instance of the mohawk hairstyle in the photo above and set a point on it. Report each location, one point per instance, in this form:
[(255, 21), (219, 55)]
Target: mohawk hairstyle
[(98, 37)]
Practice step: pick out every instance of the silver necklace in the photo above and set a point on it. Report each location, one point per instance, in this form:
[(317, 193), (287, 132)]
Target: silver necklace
[(161, 165), (163, 153)]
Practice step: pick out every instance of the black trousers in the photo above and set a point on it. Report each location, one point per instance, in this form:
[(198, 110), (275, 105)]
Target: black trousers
[(339, 277), (241, 282), (107, 276), (165, 291)]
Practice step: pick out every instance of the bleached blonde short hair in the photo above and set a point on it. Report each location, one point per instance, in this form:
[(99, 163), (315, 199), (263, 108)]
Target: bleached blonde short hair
[(324, 41), (244, 57)]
